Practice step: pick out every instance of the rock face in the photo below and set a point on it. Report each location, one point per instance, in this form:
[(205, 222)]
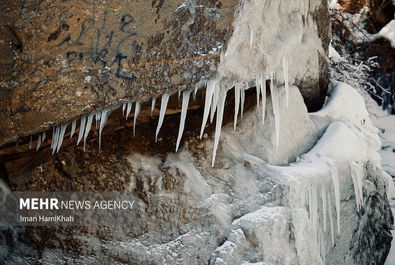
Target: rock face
[(318, 197), (328, 207), (64, 59)]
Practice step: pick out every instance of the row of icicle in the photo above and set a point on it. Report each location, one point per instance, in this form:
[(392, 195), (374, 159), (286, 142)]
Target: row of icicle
[(310, 198), (214, 103)]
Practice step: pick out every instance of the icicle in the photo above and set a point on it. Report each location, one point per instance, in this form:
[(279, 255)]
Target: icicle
[(237, 104), (82, 127), (30, 142), (123, 108), (73, 126), (218, 124), (88, 128), (179, 95), (258, 89), (214, 101), (97, 116), (251, 38), (357, 176), (194, 93), (104, 116), (314, 210), (185, 101), (38, 142), (336, 188), (55, 138), (276, 108), (330, 219), (207, 104), (263, 92), (323, 196), (163, 106), (153, 105), (129, 108), (136, 113), (43, 137), (61, 136), (286, 77), (322, 246), (242, 98)]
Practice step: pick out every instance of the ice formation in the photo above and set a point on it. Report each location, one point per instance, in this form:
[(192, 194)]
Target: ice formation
[(38, 142), (237, 104), (209, 94), (73, 127), (136, 113), (214, 105), (63, 128), (276, 108), (123, 108), (88, 128), (286, 77), (218, 124), (153, 104), (104, 116), (263, 92), (258, 90), (357, 174), (242, 98), (214, 101), (185, 101), (163, 107), (97, 118), (129, 108)]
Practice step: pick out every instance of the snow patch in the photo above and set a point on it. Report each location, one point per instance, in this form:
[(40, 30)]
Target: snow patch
[(388, 32)]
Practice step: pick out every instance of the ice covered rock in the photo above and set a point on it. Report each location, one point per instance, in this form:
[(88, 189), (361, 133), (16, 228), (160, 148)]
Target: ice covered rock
[(252, 207)]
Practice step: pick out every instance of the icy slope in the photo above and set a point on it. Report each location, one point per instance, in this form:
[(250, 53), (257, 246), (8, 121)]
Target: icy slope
[(329, 206)]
